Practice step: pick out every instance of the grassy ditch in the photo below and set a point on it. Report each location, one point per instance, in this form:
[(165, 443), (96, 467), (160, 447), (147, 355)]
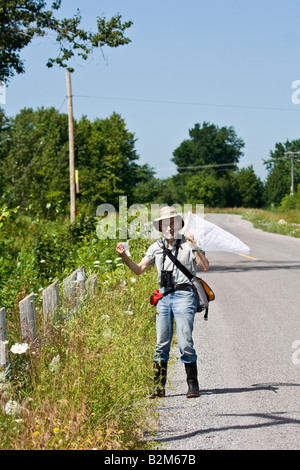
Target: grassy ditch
[(86, 386)]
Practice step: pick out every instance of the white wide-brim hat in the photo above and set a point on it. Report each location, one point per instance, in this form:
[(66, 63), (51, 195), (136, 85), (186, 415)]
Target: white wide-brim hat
[(165, 213)]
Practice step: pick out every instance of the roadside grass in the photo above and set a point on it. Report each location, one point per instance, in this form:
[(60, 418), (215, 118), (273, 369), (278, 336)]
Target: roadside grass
[(272, 220), (85, 385)]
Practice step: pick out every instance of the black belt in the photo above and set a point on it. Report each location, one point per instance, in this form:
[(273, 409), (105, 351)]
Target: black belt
[(178, 287), (183, 287)]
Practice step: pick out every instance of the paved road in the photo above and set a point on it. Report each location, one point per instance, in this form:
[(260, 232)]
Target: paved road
[(248, 369)]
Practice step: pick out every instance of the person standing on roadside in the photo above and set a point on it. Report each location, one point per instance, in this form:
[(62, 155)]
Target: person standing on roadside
[(179, 300)]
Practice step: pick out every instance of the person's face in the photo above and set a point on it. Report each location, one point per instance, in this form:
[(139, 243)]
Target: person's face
[(170, 228)]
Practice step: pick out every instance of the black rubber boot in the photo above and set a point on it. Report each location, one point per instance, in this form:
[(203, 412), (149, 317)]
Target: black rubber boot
[(192, 380), (160, 378)]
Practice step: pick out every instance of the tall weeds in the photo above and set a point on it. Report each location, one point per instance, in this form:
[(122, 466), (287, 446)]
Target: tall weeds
[(86, 386)]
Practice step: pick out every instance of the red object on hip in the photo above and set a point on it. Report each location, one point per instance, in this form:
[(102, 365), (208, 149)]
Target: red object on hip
[(155, 297)]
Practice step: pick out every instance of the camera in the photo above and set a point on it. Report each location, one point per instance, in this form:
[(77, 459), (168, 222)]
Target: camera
[(166, 279)]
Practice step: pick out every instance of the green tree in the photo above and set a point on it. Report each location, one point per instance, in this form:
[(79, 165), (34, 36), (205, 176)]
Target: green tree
[(23, 20), (205, 188), (161, 190), (208, 145), (235, 188), (249, 188), (278, 183), (106, 160), (276, 187), (202, 189), (147, 192), (34, 168), (199, 160)]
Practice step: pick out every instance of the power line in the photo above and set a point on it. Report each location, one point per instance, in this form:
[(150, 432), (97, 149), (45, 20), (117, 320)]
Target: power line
[(205, 166), (195, 167), (189, 103), (218, 166)]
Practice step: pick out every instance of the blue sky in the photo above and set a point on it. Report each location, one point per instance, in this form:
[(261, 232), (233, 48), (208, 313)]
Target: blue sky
[(228, 62)]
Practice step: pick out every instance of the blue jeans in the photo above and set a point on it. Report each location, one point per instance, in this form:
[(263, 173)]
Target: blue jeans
[(182, 306)]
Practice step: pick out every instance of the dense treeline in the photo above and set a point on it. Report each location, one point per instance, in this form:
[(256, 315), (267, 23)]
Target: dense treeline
[(34, 162), (34, 166)]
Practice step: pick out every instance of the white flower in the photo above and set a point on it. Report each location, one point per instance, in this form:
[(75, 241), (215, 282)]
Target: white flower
[(129, 312), (19, 348), (42, 261), (133, 279), (118, 259), (12, 408), (108, 261), (55, 364), (96, 262)]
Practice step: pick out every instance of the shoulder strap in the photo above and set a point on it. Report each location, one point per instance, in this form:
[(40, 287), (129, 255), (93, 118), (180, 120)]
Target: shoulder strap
[(172, 257), (180, 266)]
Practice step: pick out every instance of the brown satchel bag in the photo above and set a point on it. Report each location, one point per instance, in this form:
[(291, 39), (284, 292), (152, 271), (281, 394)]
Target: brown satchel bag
[(203, 292)]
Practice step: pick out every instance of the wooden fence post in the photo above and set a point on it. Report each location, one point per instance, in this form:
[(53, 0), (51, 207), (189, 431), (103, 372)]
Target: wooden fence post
[(3, 337), (50, 301), (69, 289), (27, 317), (74, 287), (80, 287), (92, 284)]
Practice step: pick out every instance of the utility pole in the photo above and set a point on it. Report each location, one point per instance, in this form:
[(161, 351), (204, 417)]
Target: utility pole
[(292, 156), (71, 150)]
